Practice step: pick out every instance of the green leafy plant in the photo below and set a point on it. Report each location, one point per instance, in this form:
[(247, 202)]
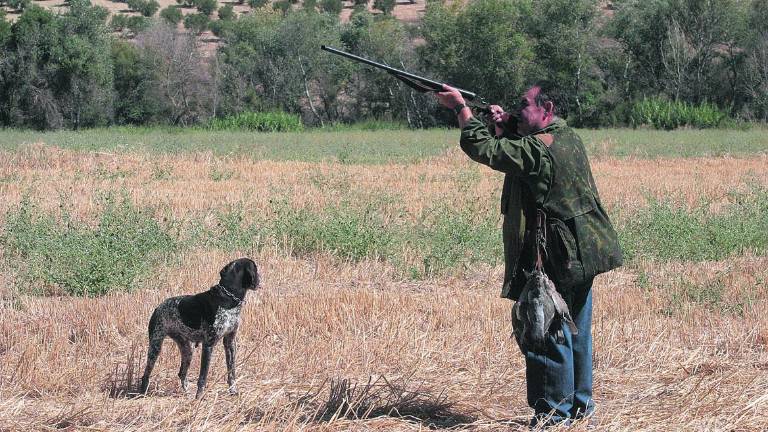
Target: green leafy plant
[(261, 122)]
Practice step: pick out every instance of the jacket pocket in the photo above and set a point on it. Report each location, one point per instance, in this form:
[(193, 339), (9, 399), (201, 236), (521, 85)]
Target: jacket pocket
[(563, 263)]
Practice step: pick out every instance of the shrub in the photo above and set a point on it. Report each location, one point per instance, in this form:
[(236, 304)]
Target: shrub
[(81, 259), (196, 23), (256, 4), (206, 6), (146, 8), (332, 7), (138, 23), (172, 15), (226, 13), (663, 114), (386, 6), (18, 5), (119, 22), (669, 232), (282, 5), (258, 121), (149, 8)]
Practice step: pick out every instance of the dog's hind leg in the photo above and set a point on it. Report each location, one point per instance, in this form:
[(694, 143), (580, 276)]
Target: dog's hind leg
[(230, 349), (205, 361), (185, 348), (155, 344)]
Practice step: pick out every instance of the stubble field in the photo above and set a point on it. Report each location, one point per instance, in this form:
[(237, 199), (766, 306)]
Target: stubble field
[(379, 308)]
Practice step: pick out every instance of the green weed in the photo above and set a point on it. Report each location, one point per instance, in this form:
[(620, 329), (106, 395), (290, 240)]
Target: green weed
[(65, 254)]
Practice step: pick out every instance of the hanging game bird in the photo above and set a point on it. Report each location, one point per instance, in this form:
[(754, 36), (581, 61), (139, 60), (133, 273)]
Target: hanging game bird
[(534, 311)]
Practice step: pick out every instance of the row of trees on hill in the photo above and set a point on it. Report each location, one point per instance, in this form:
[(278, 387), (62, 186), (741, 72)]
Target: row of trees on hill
[(71, 71)]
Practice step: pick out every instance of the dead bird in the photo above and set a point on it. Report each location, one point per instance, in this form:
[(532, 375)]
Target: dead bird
[(534, 311)]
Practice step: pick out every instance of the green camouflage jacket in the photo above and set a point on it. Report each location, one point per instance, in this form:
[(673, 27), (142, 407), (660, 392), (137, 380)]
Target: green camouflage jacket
[(581, 241)]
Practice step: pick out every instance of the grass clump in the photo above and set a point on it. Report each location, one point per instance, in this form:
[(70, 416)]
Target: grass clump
[(259, 122), (344, 231), (62, 254), (667, 231), (664, 114), (451, 238)]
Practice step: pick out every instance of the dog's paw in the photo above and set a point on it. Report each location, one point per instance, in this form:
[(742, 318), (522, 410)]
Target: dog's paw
[(233, 391)]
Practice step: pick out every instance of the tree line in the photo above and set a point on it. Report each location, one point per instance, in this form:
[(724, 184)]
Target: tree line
[(74, 70)]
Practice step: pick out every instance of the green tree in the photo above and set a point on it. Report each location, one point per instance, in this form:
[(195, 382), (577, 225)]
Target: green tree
[(256, 4), (206, 6), (332, 7), (59, 71), (481, 46), (135, 99), (139, 23), (309, 5), (385, 6), (172, 15), (149, 8), (282, 5), (564, 35), (118, 22), (271, 62), (196, 23), (675, 47), (227, 13)]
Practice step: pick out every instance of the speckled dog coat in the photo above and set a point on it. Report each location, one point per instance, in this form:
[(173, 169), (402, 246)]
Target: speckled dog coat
[(204, 318)]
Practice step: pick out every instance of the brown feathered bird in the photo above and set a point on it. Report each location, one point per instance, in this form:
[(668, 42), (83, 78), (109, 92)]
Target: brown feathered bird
[(532, 315)]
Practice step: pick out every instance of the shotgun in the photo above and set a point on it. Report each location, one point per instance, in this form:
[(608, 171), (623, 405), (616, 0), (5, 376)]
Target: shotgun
[(414, 81)]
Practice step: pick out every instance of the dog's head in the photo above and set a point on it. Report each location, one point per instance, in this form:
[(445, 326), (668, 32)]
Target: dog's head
[(240, 274)]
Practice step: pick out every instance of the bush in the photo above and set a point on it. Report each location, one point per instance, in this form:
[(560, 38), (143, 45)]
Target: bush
[(226, 13), (85, 260), (18, 5), (119, 22), (282, 5), (256, 4), (145, 7), (172, 15), (219, 27), (332, 7), (386, 6), (663, 114), (258, 121), (138, 24), (149, 8), (206, 6), (668, 231), (196, 23)]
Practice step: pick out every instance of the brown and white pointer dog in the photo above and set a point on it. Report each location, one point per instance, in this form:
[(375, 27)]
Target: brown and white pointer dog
[(206, 317)]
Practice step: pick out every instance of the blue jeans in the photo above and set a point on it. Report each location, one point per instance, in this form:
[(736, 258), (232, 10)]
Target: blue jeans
[(560, 377)]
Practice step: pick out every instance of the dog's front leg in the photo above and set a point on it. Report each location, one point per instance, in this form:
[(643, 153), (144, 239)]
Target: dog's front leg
[(230, 349), (205, 361)]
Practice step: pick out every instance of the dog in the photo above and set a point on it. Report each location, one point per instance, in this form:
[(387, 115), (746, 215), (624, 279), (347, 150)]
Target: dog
[(204, 318)]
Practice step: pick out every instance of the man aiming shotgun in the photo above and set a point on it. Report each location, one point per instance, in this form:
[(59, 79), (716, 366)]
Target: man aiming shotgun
[(547, 173)]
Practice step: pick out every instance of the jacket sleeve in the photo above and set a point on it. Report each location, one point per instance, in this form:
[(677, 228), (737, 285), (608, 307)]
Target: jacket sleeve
[(525, 158)]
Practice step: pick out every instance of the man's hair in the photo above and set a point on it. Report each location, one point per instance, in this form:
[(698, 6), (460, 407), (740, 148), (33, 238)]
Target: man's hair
[(549, 92)]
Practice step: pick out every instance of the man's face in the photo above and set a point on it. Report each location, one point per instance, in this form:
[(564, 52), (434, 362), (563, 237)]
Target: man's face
[(530, 116)]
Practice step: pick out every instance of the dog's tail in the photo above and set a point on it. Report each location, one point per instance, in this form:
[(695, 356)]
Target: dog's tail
[(152, 323)]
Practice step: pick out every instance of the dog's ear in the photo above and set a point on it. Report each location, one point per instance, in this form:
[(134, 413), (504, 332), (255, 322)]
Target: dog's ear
[(250, 275), (226, 270)]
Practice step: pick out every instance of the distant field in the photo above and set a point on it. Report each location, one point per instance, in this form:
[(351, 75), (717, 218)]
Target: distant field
[(381, 262), (379, 146)]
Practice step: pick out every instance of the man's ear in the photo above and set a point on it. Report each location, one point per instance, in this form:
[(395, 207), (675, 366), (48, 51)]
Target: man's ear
[(549, 109)]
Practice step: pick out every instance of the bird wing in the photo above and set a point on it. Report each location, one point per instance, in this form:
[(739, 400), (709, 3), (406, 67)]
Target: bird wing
[(562, 310)]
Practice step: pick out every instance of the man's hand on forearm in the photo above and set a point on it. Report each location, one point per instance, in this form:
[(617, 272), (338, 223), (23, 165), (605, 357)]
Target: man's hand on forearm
[(451, 99)]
